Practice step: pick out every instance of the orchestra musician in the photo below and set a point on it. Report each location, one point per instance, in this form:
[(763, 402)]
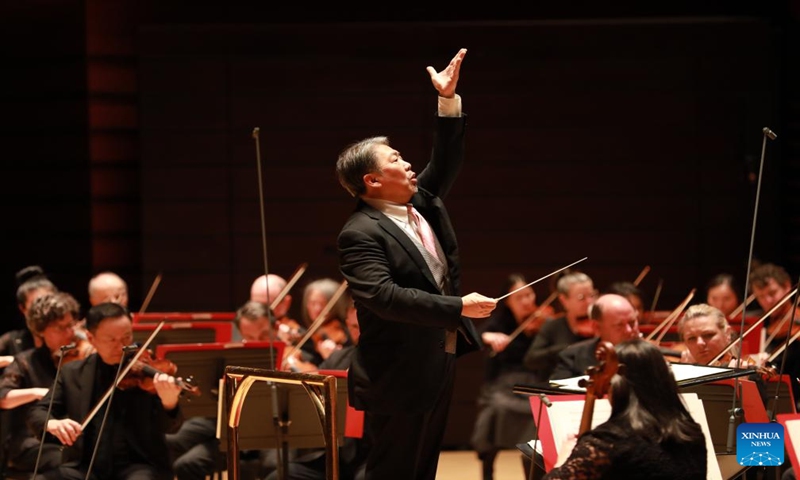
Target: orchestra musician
[(51, 319), (633, 293), (310, 464), (108, 287), (723, 293), (31, 284), (503, 419), (133, 437), (770, 283), (399, 255), (650, 435), (614, 320), (332, 334), (261, 290), (575, 292)]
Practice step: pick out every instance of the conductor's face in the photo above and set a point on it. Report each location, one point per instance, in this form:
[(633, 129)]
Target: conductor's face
[(394, 181)]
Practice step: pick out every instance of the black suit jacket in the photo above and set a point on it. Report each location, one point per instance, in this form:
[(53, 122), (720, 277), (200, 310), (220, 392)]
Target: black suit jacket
[(575, 359), (400, 359), (145, 421)]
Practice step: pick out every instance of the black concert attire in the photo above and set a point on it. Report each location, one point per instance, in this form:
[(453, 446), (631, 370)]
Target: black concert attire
[(133, 442)]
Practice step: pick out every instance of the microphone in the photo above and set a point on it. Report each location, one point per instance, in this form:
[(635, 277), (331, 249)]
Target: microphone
[(64, 349), (543, 400), (769, 133), (125, 351)]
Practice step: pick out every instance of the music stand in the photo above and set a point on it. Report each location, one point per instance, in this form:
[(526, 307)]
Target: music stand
[(184, 332), (206, 364), (169, 317)]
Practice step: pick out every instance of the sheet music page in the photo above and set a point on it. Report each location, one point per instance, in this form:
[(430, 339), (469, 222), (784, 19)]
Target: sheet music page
[(565, 418), (685, 371), (793, 432), (568, 415)]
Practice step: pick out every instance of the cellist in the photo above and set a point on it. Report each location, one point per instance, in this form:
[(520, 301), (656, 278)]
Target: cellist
[(649, 435)]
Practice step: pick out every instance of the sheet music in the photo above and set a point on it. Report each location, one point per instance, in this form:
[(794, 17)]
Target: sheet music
[(793, 432), (685, 371), (565, 418), (681, 372)]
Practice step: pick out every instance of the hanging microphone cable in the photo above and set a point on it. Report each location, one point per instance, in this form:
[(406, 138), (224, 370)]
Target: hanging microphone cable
[(281, 451), (734, 411), (125, 351), (64, 349)]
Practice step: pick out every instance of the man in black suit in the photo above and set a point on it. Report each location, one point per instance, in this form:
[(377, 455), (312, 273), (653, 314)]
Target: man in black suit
[(614, 319), (399, 254), (133, 442)]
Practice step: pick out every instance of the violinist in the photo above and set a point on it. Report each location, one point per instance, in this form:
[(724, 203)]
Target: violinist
[(332, 334), (32, 283), (503, 419), (133, 436), (723, 293), (288, 329), (575, 292), (770, 283), (108, 287), (614, 320), (50, 319), (649, 435)]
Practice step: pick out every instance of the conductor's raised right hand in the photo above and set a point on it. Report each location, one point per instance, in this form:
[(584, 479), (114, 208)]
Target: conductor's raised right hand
[(475, 305)]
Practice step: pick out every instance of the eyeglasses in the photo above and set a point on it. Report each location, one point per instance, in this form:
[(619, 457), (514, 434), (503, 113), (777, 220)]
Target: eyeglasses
[(62, 327)]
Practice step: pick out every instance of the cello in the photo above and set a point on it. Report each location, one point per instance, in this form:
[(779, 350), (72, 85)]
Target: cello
[(598, 382)]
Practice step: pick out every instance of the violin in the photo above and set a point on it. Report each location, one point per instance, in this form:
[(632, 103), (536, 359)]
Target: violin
[(780, 328), (143, 370), (83, 348), (599, 381)]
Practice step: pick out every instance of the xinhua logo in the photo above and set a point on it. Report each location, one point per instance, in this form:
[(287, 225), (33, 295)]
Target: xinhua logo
[(759, 444)]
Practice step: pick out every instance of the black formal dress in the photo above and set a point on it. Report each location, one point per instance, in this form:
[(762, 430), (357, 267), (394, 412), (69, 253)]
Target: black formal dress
[(613, 451)]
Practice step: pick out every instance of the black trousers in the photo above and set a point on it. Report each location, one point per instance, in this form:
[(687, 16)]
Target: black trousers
[(406, 446)]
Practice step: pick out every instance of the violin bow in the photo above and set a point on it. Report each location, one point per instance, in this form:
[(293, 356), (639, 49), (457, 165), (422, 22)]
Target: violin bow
[(285, 291), (150, 293), (655, 298), (667, 322), (641, 276), (752, 327), (742, 306), (521, 327), (122, 374), (317, 321)]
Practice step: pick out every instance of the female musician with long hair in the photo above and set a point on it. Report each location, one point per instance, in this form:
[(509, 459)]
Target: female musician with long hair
[(649, 435)]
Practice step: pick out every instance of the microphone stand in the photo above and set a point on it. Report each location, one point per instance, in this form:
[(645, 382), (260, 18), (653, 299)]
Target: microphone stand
[(772, 411), (767, 133), (282, 449), (543, 400), (64, 349), (125, 351)]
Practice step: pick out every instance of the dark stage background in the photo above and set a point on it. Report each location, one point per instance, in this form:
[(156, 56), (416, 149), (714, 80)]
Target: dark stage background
[(630, 135)]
